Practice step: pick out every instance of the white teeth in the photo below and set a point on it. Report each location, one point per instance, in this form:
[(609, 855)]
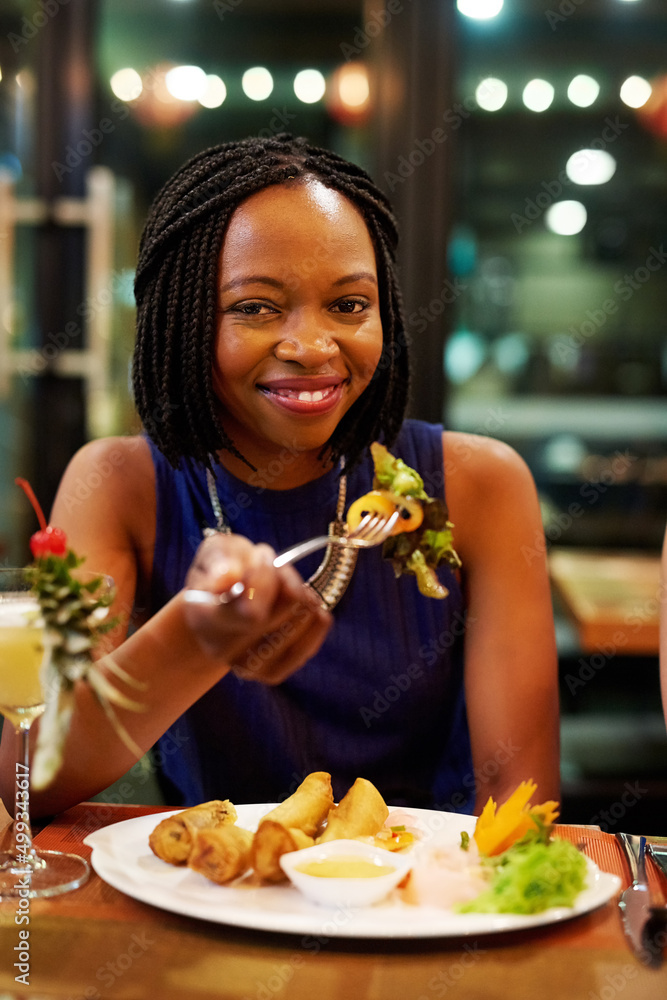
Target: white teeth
[(310, 397), (304, 396)]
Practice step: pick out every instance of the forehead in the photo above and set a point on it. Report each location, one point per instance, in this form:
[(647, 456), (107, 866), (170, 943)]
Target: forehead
[(304, 217)]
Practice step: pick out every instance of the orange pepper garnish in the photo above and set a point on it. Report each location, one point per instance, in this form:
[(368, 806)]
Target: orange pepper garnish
[(498, 828)]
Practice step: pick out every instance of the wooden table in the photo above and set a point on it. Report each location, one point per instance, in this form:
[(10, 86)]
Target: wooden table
[(96, 943), (612, 598)]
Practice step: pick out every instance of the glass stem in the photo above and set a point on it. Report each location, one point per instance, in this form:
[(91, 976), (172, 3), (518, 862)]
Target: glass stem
[(23, 846)]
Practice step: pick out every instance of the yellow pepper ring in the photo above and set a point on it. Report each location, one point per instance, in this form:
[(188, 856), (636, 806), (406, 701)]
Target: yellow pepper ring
[(411, 514), (383, 503)]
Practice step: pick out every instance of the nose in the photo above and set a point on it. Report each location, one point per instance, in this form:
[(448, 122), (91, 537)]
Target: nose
[(308, 341)]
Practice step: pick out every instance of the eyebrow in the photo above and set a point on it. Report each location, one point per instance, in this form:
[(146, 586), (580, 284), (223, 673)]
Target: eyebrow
[(252, 279), (357, 276), (264, 279)]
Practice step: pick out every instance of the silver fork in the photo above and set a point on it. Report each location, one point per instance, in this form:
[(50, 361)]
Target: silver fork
[(372, 530)]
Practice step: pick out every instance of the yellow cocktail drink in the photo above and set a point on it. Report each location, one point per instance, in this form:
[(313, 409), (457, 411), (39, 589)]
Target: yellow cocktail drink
[(21, 656)]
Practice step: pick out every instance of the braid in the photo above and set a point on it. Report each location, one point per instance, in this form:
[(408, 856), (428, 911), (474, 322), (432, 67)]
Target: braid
[(176, 289)]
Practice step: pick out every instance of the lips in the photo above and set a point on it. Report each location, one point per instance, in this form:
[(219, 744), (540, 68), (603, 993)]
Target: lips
[(315, 395)]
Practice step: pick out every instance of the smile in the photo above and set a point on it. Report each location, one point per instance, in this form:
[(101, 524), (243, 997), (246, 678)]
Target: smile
[(305, 400), (307, 397)]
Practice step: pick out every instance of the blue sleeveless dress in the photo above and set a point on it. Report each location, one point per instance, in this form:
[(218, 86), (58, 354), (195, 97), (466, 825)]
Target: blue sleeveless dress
[(383, 697)]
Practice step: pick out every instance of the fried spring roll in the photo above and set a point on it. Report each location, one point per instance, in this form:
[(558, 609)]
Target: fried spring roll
[(360, 813), (307, 807), (172, 839), (271, 841), (221, 854)]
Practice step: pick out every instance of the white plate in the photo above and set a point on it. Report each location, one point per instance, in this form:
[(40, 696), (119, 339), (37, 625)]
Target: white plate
[(122, 857)]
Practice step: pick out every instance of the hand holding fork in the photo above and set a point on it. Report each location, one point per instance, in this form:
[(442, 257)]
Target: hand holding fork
[(372, 530)]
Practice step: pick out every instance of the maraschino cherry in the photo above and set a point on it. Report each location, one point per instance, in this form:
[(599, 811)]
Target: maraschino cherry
[(48, 541)]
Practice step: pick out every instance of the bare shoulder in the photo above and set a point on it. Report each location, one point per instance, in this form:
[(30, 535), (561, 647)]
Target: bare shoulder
[(475, 461), (106, 482), (106, 465), (487, 485)]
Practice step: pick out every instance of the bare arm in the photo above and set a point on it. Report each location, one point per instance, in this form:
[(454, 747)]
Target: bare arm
[(663, 628), (511, 677), (181, 651)]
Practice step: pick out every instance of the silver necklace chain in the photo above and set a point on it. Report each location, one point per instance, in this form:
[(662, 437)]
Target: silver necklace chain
[(332, 577)]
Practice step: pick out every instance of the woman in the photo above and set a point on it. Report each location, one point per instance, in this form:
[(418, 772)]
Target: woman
[(270, 353)]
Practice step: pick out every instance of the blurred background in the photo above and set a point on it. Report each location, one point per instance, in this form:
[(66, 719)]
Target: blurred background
[(524, 145)]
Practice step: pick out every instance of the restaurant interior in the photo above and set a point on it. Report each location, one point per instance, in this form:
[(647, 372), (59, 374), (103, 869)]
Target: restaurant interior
[(529, 178)]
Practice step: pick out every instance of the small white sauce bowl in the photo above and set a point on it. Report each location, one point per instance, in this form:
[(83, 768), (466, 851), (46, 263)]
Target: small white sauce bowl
[(355, 891)]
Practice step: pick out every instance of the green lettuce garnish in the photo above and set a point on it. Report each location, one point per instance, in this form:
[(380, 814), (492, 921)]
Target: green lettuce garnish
[(393, 474), (531, 876), (421, 551)]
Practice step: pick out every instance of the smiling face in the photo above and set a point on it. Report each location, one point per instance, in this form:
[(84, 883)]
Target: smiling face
[(299, 333)]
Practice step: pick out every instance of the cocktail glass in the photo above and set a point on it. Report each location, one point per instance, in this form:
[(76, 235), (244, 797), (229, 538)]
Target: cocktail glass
[(26, 872)]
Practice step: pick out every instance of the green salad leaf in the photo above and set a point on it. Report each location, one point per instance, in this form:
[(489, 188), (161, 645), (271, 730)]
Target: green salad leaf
[(393, 474), (531, 876), (421, 551)]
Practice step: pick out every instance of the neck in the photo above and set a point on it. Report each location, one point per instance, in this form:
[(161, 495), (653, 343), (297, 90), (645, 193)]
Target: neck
[(283, 471)]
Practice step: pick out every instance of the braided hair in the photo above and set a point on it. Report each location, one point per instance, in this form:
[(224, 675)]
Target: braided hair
[(176, 290)]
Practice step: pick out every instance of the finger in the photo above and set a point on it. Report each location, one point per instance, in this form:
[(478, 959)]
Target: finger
[(217, 560), (234, 562), (266, 591)]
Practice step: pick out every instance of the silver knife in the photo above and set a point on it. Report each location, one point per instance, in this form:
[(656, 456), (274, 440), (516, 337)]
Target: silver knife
[(635, 902)]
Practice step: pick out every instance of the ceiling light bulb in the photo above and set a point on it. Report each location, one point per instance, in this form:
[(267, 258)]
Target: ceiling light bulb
[(583, 91), (590, 166), (257, 83), (635, 91), (481, 10), (309, 86), (566, 218), (491, 94), (538, 95)]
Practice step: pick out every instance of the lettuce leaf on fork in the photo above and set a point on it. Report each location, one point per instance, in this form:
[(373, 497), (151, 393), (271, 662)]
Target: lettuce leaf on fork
[(421, 551)]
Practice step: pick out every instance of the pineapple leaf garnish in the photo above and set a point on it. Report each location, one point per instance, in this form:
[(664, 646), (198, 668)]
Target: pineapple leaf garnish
[(74, 607)]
